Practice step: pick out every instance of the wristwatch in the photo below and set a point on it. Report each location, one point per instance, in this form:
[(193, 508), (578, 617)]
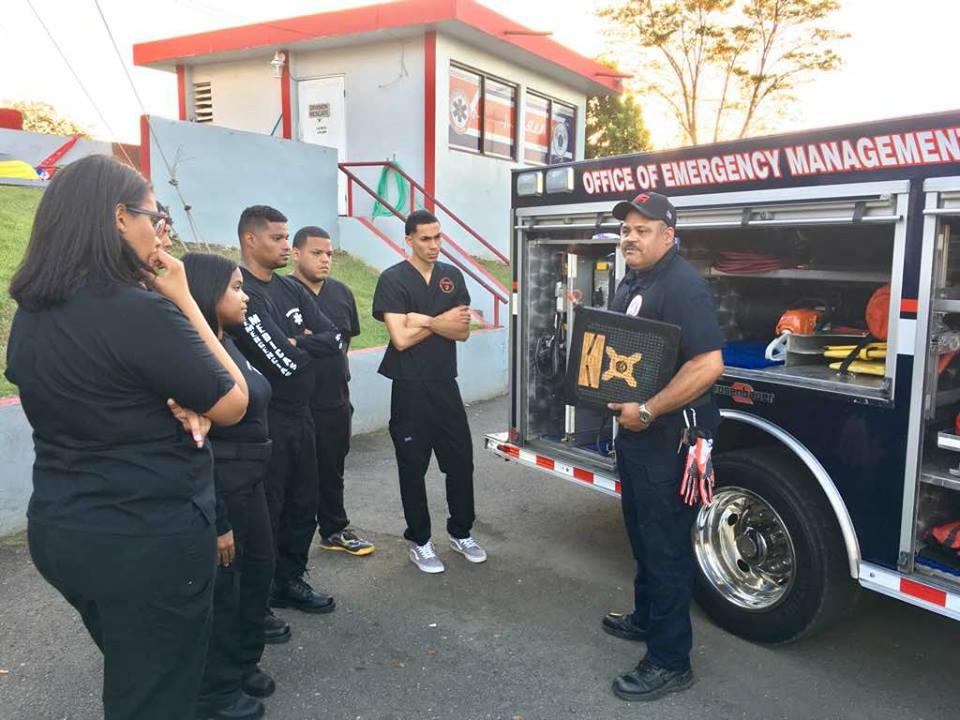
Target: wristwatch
[(646, 417)]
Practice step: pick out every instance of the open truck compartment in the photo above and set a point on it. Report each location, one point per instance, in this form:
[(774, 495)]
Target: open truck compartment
[(938, 492), (760, 260)]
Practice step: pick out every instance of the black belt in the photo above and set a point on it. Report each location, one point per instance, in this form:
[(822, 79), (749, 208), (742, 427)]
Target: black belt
[(241, 451)]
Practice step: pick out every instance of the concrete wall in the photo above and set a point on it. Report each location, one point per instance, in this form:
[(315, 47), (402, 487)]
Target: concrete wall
[(246, 95), (384, 103), (16, 451), (222, 171), (483, 374), (34, 148), (476, 187)]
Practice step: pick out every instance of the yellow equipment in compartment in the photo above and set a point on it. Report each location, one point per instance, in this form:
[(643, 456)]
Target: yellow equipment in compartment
[(866, 358)]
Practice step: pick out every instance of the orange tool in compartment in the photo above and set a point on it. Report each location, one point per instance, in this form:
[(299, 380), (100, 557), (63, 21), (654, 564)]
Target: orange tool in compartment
[(801, 321)]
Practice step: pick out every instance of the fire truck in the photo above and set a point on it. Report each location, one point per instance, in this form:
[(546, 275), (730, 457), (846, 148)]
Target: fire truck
[(838, 457)]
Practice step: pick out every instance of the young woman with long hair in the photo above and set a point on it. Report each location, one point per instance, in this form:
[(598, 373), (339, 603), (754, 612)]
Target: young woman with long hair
[(120, 377), (233, 682)]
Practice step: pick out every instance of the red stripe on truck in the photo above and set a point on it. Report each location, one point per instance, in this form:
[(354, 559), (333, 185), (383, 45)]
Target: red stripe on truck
[(923, 592), (545, 462)]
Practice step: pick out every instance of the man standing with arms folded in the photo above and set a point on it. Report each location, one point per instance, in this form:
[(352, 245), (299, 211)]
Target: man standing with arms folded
[(330, 403), (425, 306), (283, 334)]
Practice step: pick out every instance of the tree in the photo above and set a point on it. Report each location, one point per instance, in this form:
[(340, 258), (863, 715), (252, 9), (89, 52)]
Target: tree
[(615, 126), (721, 65), (41, 117)]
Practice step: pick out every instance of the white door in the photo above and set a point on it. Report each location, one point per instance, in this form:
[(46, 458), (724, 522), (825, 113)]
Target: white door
[(322, 113)]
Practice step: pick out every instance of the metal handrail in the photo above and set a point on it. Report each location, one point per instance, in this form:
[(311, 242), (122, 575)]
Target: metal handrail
[(497, 297), (413, 183)]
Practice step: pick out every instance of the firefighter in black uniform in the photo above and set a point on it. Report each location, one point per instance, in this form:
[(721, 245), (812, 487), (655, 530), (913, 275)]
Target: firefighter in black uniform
[(282, 333), (330, 404), (425, 306), (232, 680), (661, 285)]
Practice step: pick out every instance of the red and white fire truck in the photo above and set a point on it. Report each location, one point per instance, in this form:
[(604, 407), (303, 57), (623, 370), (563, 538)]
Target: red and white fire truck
[(838, 458)]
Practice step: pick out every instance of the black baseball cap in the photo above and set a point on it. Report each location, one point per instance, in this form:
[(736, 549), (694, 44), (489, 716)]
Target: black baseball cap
[(653, 205)]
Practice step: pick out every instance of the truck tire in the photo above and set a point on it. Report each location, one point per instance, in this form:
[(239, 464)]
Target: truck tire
[(771, 565)]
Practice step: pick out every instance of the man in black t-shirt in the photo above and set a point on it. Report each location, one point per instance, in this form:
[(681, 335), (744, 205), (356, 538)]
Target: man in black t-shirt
[(330, 403), (661, 285), (283, 334), (426, 308)]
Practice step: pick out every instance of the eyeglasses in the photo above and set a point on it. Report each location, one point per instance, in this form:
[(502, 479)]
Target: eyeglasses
[(160, 220)]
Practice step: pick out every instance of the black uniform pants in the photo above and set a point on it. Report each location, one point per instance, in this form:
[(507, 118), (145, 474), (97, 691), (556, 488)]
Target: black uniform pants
[(658, 524), (428, 417), (240, 594), (291, 487), (333, 429), (145, 600)]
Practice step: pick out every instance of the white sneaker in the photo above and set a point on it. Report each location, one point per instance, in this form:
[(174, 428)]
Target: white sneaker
[(469, 548), (425, 557)]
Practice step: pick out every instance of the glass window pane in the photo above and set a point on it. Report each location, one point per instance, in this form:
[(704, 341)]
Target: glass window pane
[(535, 129), (464, 110), (563, 133), (499, 112)]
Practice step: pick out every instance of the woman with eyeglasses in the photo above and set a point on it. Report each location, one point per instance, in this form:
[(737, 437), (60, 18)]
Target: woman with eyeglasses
[(121, 377), (232, 682)]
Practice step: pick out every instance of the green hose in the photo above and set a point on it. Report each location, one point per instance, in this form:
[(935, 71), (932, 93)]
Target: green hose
[(383, 189)]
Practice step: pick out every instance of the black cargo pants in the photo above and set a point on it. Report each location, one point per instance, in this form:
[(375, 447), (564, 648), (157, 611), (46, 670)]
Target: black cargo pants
[(428, 417)]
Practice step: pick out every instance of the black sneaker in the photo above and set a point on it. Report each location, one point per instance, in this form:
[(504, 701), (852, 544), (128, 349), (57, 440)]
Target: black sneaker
[(622, 626), (649, 682), (347, 541), (298, 594), (275, 630)]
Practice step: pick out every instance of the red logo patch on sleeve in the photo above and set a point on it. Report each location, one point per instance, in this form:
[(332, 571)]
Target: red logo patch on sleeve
[(446, 284)]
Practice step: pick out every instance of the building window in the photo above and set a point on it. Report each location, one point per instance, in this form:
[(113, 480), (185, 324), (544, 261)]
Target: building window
[(473, 96), (550, 130)]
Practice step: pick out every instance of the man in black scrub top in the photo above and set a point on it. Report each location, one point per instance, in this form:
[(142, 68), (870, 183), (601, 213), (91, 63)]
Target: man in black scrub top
[(661, 285), (283, 332), (426, 308), (330, 404)]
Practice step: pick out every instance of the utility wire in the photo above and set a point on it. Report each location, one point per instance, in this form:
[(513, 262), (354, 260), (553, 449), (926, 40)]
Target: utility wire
[(83, 87), (143, 109)]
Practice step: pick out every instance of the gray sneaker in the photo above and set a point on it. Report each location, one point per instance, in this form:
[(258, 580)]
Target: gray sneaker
[(469, 548), (425, 557)]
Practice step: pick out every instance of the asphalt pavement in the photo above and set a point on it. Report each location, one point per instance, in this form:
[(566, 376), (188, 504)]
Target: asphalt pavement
[(517, 638)]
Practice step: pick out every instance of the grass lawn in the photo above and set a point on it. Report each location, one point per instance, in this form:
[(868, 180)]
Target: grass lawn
[(355, 274), (501, 272), (17, 208)]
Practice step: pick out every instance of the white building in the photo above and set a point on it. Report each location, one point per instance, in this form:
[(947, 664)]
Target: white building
[(453, 92)]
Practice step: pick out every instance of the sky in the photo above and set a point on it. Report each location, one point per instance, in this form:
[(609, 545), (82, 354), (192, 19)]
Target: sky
[(898, 60)]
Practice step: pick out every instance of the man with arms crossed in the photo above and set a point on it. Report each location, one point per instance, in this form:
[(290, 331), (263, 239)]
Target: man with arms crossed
[(330, 404), (426, 308), (283, 334)]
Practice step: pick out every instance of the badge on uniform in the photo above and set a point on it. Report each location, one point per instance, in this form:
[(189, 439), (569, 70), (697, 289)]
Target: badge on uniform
[(618, 358)]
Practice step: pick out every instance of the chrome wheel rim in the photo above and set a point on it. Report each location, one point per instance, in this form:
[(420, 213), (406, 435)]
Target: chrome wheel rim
[(744, 549)]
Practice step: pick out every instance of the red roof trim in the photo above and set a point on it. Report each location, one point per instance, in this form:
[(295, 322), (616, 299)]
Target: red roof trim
[(391, 15)]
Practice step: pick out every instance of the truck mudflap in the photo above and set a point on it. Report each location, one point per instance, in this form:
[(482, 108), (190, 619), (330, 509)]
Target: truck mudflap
[(924, 593), (499, 444)]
